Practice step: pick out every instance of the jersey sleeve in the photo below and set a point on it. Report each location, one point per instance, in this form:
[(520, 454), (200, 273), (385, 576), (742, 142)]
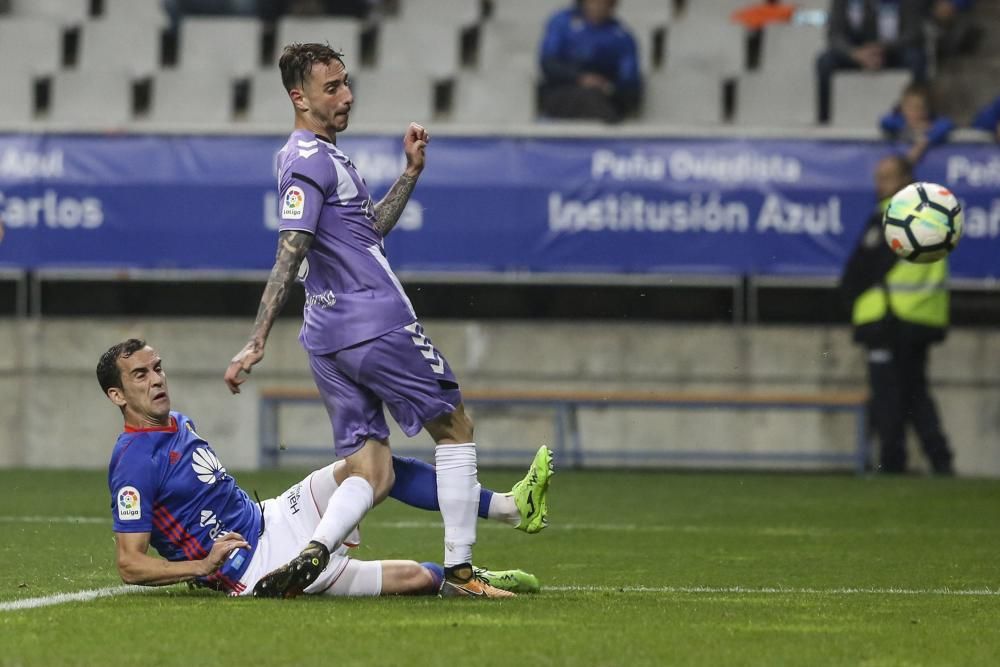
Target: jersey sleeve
[(304, 186), (133, 489)]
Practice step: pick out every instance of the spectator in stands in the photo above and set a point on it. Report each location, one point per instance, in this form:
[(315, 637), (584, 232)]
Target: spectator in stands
[(914, 121), (590, 64), (871, 35), (956, 31), (988, 119), (899, 310)]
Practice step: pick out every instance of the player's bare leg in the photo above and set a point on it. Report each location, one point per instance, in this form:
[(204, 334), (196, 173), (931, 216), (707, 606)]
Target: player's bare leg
[(458, 497), (369, 479)]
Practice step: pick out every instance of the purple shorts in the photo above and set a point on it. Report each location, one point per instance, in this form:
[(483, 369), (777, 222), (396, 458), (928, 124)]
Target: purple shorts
[(401, 369)]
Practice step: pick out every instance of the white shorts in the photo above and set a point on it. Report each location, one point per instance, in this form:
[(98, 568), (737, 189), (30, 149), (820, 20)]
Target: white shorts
[(289, 522)]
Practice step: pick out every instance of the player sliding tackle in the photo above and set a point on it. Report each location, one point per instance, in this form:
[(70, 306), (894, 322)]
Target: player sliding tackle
[(170, 491), (366, 348)]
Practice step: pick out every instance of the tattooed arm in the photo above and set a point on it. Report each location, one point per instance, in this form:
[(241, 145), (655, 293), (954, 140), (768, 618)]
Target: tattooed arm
[(292, 248), (388, 210)]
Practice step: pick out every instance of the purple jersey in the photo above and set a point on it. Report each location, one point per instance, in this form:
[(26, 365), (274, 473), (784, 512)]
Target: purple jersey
[(168, 482), (352, 295)]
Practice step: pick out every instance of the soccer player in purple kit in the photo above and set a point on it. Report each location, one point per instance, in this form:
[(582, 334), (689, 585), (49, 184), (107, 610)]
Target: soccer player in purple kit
[(169, 490), (365, 345)]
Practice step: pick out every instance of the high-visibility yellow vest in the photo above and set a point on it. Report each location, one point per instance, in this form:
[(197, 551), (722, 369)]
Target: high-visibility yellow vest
[(917, 293)]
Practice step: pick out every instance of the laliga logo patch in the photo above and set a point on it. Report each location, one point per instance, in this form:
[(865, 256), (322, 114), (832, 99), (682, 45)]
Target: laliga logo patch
[(293, 204), (129, 506)]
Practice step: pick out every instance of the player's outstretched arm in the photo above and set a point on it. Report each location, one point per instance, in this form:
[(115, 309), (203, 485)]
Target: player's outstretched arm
[(292, 248), (388, 210), (136, 566)]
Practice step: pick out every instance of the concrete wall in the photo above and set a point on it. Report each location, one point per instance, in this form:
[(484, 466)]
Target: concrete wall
[(55, 415)]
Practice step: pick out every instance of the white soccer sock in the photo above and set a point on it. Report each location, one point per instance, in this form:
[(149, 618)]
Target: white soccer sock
[(503, 508), (347, 506), (458, 496)]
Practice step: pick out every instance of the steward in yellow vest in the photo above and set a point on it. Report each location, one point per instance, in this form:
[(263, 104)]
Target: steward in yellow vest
[(898, 310)]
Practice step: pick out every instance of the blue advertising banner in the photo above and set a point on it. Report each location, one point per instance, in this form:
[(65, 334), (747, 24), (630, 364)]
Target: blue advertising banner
[(712, 206)]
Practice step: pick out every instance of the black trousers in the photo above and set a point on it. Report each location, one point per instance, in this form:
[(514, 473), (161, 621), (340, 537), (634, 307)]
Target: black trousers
[(897, 378), (571, 101)]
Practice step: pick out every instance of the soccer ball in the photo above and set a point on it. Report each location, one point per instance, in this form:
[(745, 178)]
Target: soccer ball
[(923, 222)]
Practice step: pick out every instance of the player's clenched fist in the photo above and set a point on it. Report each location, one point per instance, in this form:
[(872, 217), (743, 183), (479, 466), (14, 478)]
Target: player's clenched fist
[(414, 144)]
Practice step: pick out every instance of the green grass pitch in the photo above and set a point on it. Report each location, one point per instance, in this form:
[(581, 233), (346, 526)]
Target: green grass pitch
[(640, 569)]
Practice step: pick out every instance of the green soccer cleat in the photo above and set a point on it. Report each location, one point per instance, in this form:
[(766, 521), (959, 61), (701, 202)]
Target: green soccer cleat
[(515, 581), (530, 493)]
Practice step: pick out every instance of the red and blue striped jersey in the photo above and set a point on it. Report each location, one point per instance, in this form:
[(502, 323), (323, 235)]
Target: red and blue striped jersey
[(168, 482)]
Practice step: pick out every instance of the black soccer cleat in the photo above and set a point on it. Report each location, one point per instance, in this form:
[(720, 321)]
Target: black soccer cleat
[(291, 579)]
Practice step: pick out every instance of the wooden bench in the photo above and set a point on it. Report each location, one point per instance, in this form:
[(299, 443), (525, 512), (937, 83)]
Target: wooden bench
[(566, 405)]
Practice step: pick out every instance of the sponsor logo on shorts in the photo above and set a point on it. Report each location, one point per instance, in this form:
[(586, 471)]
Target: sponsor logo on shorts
[(293, 204), (293, 495), (129, 504)]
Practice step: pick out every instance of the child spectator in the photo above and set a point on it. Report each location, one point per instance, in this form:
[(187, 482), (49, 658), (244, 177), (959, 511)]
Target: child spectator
[(914, 121)]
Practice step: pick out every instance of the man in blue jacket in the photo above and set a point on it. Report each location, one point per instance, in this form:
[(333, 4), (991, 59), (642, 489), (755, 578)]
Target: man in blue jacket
[(590, 64)]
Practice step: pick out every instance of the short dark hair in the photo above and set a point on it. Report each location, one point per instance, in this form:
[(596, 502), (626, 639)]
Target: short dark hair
[(922, 90), (108, 373), (297, 61)]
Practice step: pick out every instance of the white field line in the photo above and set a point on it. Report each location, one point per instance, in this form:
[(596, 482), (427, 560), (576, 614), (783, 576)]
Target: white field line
[(112, 591), (79, 596), (768, 590), (53, 519)]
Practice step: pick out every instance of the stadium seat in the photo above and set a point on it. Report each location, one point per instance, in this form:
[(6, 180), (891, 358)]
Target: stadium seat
[(527, 12), (102, 43), (506, 44), (62, 12), (191, 98), (494, 98), (269, 104), (687, 97), (343, 34), (30, 44), (392, 97), (644, 19), (91, 100), (709, 46), (649, 13), (788, 48), (231, 44), (454, 13), (137, 12), (644, 38), (775, 98), (404, 45), (860, 98), (714, 10), (17, 100)]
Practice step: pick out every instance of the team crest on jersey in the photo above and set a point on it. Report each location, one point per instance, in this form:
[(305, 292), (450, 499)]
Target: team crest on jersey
[(293, 204), (129, 504)]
